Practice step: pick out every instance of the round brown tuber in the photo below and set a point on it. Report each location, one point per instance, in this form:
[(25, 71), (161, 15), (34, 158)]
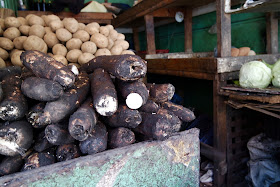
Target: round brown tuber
[(61, 59), (101, 52), (4, 54), (110, 27), (124, 44), (35, 43), (71, 24), (92, 28), (73, 43), (11, 22), (59, 49), (82, 35), (6, 43), (51, 18), (22, 21), (11, 33), (15, 58), (100, 40), (35, 20), (63, 34), (55, 25), (89, 47), (85, 58), (51, 39), (116, 50), (18, 42), (2, 23), (113, 35), (2, 63), (24, 29), (73, 55), (128, 52), (37, 30), (121, 36), (82, 26), (104, 30), (110, 43), (48, 30)]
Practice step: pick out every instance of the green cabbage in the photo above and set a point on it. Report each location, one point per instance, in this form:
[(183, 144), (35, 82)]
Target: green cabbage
[(255, 74), (276, 74)]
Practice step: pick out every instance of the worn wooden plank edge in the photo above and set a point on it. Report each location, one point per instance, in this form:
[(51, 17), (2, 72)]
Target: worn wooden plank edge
[(174, 161), (179, 55), (229, 64)]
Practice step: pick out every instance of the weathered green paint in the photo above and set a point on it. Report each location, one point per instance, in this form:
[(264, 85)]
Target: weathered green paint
[(173, 162)]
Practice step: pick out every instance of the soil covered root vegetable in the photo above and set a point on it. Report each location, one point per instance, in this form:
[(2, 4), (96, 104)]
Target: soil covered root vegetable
[(154, 126), (1, 93), (103, 92), (124, 67), (56, 111), (174, 120), (37, 160), (41, 89), (11, 164), (58, 134), (82, 122), (14, 105), (34, 113), (67, 152), (149, 107), (161, 92), (120, 137), (185, 114), (10, 70), (41, 143), (135, 93), (45, 66), (15, 138), (96, 142), (124, 117)]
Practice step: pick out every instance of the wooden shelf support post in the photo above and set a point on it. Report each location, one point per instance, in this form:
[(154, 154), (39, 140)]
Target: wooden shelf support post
[(136, 39), (150, 32), (271, 34), (188, 30)]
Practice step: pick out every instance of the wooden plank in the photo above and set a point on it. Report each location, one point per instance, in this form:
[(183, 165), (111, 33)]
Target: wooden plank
[(269, 90), (167, 12), (188, 30), (136, 39), (173, 162), (150, 34), (223, 30), (180, 55), (271, 34), (220, 131), (267, 99), (229, 76), (83, 17), (196, 75), (201, 65), (234, 63)]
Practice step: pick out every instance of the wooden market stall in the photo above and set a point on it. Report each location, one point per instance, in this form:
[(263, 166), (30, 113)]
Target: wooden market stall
[(205, 66)]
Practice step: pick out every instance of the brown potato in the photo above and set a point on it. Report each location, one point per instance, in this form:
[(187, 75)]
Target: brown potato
[(92, 28), (61, 59), (59, 49), (82, 35), (15, 58), (101, 52), (100, 40), (22, 21), (75, 64), (24, 29), (71, 24), (73, 55), (48, 30), (104, 30), (37, 30), (6, 43), (18, 42), (11, 22), (51, 39), (110, 43), (85, 58), (121, 36), (128, 52), (82, 26), (243, 51), (11, 33), (73, 43), (2, 63), (251, 53), (4, 54), (63, 34), (123, 43), (50, 18), (110, 27), (35, 20), (116, 50), (234, 51), (2, 23), (35, 43), (55, 25), (89, 47), (113, 35), (1, 31)]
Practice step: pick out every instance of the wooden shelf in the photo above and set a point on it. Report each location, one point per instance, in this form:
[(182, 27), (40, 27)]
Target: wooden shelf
[(82, 17)]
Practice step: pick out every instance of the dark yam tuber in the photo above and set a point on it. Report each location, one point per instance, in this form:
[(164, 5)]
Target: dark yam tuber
[(67, 152), (175, 122), (34, 113), (149, 107), (44, 66), (37, 160), (82, 122), (183, 113), (15, 138), (41, 89), (10, 70), (104, 94), (120, 137), (124, 67), (161, 92), (58, 134), (11, 164)]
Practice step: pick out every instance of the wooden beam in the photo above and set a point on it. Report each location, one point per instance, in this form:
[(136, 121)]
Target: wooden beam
[(136, 39), (167, 12), (188, 30), (223, 30), (150, 32), (271, 34)]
